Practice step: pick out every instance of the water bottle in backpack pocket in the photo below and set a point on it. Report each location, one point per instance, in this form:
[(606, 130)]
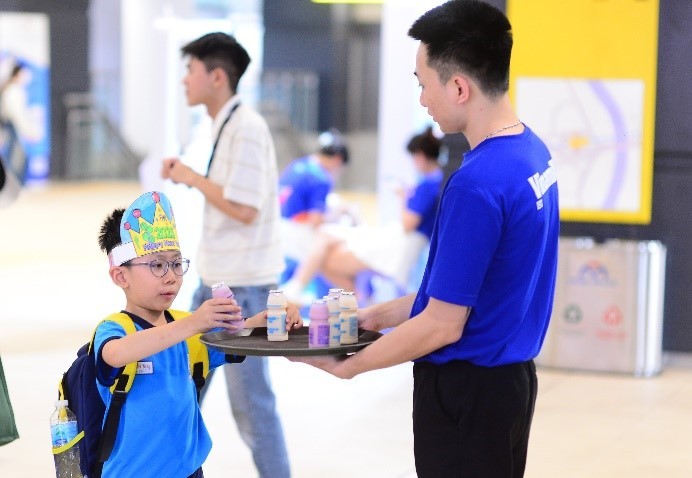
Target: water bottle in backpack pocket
[(65, 438)]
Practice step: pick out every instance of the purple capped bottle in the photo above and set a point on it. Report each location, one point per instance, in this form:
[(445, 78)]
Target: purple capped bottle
[(318, 332), (221, 290)]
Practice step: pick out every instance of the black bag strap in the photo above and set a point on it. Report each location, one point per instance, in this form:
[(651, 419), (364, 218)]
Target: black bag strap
[(198, 377), (2, 173), (110, 427), (218, 136)]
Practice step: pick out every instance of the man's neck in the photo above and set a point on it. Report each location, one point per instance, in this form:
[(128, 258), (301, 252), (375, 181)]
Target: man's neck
[(215, 105), (489, 116)]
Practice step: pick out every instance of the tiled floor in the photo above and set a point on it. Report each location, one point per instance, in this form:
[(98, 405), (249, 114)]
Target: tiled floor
[(53, 287)]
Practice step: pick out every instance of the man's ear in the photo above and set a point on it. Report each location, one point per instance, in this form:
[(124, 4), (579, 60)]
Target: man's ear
[(118, 276), (219, 77), (463, 88)]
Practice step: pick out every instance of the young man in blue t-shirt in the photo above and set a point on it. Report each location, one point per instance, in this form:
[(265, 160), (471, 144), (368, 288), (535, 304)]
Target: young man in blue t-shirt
[(482, 310)]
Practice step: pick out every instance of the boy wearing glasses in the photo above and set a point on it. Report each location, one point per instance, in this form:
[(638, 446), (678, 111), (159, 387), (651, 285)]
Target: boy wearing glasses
[(161, 431)]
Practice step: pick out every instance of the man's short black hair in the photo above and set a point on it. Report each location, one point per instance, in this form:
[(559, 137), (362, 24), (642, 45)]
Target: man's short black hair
[(110, 231), (220, 50), (468, 36)]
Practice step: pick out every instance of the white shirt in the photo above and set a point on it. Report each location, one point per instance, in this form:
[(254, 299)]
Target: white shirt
[(245, 166)]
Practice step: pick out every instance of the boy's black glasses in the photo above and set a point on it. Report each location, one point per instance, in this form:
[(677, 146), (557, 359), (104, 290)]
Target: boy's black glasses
[(159, 267)]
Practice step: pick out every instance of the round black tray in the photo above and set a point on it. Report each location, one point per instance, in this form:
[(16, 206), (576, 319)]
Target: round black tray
[(254, 342)]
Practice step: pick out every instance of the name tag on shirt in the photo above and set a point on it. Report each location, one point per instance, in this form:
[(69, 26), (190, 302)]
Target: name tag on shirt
[(145, 368)]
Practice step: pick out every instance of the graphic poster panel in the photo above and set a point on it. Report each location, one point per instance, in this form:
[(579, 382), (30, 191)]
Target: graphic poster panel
[(583, 77), (24, 39)]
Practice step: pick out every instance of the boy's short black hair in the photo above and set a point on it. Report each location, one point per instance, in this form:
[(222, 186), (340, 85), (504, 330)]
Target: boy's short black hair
[(220, 50), (470, 36), (109, 236), (427, 143)]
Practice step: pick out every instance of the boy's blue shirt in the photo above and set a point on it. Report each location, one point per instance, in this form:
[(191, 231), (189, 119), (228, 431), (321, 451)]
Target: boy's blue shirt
[(161, 430)]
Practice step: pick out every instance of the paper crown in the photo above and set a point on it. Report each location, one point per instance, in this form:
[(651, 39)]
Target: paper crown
[(147, 226)]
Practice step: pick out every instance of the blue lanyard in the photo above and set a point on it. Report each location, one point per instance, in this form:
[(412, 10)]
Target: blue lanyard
[(218, 136)]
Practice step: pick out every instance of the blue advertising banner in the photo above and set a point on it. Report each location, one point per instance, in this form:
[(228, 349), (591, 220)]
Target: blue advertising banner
[(25, 94)]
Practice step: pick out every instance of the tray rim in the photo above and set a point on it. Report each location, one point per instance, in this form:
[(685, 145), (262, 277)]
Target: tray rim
[(276, 351)]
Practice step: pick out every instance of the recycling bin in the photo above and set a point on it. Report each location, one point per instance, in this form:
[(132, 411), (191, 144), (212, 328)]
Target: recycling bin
[(608, 309)]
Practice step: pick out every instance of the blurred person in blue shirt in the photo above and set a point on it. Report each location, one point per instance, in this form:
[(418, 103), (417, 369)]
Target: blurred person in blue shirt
[(341, 254), (304, 188)]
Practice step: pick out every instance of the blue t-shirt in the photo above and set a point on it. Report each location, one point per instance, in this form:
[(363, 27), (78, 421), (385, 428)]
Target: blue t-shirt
[(161, 431), (303, 188), (494, 249), (424, 200)]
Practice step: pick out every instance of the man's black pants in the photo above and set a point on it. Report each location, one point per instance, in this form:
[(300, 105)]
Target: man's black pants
[(471, 421)]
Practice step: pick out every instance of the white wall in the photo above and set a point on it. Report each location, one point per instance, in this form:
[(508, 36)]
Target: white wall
[(401, 114), (104, 55)]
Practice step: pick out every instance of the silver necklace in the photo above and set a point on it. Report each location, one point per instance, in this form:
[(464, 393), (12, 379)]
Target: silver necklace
[(502, 129)]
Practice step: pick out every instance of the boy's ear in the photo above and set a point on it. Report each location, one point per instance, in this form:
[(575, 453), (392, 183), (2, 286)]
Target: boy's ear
[(118, 276)]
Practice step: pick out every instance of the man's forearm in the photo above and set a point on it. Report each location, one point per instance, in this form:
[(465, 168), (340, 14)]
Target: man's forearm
[(416, 337), (388, 314)]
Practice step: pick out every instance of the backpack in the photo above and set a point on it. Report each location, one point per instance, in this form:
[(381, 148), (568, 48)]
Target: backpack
[(78, 386)]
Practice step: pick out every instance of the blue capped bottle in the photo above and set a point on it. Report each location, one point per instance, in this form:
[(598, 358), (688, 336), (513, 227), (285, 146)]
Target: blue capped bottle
[(63, 432)]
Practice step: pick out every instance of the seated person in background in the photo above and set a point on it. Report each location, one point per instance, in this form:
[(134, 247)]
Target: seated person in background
[(340, 254), (303, 189)]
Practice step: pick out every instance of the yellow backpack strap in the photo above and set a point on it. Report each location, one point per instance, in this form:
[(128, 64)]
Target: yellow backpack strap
[(61, 391), (129, 371), (198, 355), (124, 381)]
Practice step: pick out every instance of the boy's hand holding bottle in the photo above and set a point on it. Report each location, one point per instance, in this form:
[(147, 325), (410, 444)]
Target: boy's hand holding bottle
[(221, 312), (235, 319)]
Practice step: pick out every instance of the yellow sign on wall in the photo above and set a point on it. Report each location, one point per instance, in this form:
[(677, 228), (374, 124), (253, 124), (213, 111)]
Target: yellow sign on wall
[(583, 77)]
